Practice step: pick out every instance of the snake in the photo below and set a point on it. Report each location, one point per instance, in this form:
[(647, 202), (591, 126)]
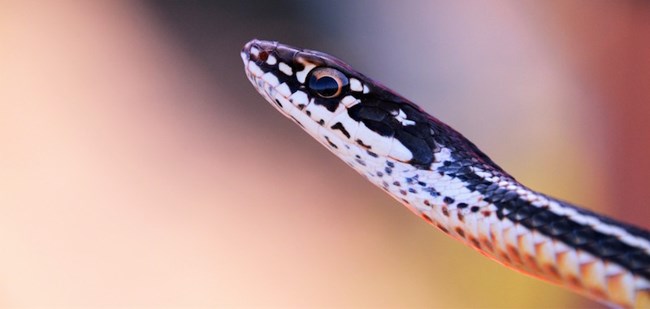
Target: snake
[(446, 180)]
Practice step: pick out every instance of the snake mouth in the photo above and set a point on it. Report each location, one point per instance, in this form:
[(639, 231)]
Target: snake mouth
[(254, 55), (276, 74), (269, 92)]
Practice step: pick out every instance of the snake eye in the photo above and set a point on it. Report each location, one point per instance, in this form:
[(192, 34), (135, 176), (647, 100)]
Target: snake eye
[(327, 82)]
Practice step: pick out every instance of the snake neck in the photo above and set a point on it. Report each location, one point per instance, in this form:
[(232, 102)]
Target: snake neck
[(467, 196)]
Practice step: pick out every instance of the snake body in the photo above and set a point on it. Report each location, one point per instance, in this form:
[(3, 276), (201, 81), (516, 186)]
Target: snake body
[(444, 178)]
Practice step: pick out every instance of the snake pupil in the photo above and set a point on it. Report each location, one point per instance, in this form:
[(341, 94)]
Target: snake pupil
[(327, 82), (325, 86)]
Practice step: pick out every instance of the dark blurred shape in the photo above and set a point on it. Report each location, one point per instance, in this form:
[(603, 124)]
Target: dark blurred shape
[(210, 31)]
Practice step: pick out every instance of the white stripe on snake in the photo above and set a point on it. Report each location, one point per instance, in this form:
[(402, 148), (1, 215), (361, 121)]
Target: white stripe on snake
[(443, 178)]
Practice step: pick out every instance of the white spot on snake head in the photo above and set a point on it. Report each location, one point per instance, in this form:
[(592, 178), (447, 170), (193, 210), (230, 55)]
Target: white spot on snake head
[(271, 60), (271, 79), (319, 112), (401, 117), (355, 85), (286, 69), (299, 97), (283, 89), (399, 152), (253, 68), (349, 100), (254, 51), (365, 89), (302, 75), (378, 144)]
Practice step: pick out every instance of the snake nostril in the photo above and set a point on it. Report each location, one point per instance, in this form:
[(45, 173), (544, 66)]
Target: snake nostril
[(263, 55)]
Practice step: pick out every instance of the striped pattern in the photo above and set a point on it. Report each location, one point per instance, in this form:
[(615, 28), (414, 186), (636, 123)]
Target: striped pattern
[(442, 177)]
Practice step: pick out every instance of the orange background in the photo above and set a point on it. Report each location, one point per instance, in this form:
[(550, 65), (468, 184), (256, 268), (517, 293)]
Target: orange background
[(138, 167)]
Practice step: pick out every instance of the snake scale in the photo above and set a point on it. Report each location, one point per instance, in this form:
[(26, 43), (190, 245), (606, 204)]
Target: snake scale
[(446, 180)]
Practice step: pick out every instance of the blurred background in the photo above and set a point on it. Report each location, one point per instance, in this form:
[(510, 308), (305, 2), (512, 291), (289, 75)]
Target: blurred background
[(140, 168)]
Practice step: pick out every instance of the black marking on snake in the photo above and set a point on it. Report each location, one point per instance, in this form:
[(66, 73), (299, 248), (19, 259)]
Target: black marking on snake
[(361, 111), (339, 126), (431, 191), (360, 142), (584, 237), (413, 179), (274, 69), (380, 128), (330, 142), (329, 104), (376, 112), (513, 207), (296, 66)]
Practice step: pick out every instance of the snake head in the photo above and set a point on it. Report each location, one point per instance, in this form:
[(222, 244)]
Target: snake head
[(339, 106)]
